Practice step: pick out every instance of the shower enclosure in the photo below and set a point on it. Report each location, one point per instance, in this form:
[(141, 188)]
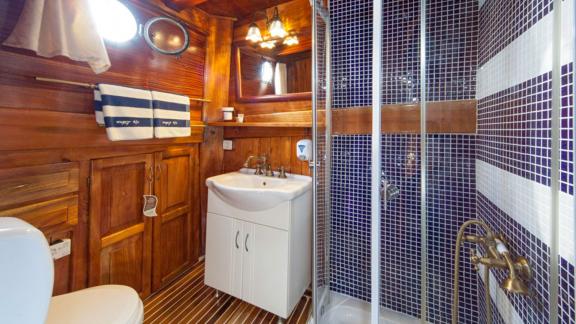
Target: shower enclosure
[(427, 114)]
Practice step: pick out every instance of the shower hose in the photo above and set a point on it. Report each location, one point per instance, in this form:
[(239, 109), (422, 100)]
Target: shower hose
[(487, 297)]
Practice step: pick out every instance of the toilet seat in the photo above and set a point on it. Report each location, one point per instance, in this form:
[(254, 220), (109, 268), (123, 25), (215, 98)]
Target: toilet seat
[(110, 304)]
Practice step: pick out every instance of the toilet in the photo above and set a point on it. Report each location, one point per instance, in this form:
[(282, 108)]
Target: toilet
[(27, 277)]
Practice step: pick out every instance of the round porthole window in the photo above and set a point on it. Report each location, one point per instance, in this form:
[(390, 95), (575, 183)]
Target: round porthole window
[(114, 20)]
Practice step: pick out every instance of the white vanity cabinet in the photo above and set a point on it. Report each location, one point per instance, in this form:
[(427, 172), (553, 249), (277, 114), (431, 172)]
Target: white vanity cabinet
[(261, 257)]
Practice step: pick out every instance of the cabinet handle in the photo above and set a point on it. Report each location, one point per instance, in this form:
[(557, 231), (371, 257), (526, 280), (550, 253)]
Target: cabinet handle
[(246, 242), (158, 171), (237, 233)]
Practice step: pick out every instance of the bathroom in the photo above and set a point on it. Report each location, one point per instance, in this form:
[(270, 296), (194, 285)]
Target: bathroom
[(220, 161)]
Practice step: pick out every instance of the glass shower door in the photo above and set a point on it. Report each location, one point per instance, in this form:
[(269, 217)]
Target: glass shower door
[(321, 159)]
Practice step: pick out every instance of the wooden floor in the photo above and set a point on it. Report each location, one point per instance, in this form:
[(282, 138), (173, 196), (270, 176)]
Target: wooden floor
[(188, 300)]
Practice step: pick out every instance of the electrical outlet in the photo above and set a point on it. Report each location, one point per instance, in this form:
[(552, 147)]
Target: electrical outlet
[(227, 145), (60, 249)]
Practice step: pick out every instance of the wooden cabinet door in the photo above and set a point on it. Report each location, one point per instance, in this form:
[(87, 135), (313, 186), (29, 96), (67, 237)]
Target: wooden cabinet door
[(265, 267), (176, 231), (120, 235), (224, 246)]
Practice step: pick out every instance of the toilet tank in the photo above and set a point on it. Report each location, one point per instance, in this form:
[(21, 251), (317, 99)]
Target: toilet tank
[(26, 272)]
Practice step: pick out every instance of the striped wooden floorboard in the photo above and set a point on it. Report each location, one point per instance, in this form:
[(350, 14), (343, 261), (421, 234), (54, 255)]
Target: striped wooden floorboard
[(188, 300)]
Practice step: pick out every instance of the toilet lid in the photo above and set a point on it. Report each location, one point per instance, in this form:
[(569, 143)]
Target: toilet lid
[(111, 304)]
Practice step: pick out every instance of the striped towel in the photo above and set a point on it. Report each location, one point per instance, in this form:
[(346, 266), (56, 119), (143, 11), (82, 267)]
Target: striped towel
[(171, 115), (98, 107), (127, 112)]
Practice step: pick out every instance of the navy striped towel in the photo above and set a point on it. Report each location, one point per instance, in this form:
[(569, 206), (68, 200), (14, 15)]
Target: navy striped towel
[(98, 108), (171, 115), (127, 112)]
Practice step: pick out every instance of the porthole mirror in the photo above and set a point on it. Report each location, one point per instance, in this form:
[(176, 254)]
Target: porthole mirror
[(166, 35)]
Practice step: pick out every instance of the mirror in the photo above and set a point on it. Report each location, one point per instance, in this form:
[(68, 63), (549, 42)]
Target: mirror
[(263, 76), (166, 35)]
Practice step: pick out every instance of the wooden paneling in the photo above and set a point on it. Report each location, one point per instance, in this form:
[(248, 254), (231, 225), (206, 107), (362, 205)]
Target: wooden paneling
[(120, 235), (229, 8), (442, 117), (38, 115), (280, 150), (188, 300), (47, 214), (44, 124), (32, 184), (299, 71), (218, 60), (177, 227)]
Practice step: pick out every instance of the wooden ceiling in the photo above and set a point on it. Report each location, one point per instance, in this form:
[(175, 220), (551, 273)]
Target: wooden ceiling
[(229, 8)]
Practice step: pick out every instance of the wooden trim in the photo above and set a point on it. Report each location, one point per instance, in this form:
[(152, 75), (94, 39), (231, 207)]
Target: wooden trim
[(260, 124), (122, 235), (244, 132), (28, 129), (443, 117), (240, 97)]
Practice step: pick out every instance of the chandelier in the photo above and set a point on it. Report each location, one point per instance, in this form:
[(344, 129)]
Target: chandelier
[(277, 34)]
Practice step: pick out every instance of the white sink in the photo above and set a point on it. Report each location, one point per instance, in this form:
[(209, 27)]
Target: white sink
[(250, 192)]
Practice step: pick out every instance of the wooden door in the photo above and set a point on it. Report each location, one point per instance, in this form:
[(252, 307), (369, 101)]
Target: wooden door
[(176, 229), (120, 235), (224, 246)]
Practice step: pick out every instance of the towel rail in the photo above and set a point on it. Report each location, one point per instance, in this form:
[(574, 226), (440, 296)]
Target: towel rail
[(92, 86)]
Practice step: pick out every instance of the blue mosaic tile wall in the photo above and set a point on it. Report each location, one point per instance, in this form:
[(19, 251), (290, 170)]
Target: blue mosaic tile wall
[(515, 130), (514, 134), (521, 242), (452, 35), (503, 21), (451, 202)]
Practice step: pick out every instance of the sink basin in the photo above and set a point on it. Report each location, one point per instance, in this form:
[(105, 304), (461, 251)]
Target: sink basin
[(250, 192)]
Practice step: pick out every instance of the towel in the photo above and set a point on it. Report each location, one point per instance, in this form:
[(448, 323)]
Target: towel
[(127, 112), (171, 115), (98, 108), (60, 27)]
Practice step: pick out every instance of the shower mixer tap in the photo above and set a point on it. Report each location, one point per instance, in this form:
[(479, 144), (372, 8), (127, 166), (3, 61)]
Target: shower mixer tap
[(497, 255)]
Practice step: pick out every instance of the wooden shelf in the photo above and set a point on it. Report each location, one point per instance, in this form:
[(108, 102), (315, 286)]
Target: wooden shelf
[(261, 124)]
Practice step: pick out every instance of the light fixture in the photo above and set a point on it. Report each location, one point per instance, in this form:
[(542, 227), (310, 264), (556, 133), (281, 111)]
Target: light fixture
[(114, 20), (254, 34), (291, 40), (275, 26), (269, 44), (276, 34)]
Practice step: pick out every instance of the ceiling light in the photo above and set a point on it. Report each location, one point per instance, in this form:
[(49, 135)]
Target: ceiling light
[(276, 28), (254, 34), (291, 40)]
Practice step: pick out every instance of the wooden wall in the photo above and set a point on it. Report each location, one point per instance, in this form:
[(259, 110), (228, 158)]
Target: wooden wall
[(49, 124), (296, 15), (279, 145)]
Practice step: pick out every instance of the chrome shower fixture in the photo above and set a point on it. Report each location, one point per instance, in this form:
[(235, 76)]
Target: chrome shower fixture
[(497, 255)]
